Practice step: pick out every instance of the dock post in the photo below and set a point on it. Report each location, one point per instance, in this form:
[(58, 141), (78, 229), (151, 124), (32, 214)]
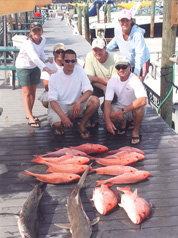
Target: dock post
[(79, 12), (109, 13), (168, 49), (152, 19), (98, 14), (86, 23), (105, 12)]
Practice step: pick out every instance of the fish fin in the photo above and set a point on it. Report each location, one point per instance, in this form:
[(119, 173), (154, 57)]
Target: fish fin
[(124, 189), (49, 170), (94, 221), (83, 177), (57, 149), (134, 194), (62, 225)]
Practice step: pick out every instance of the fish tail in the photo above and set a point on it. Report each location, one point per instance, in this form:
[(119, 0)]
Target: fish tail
[(28, 172), (100, 182), (92, 158), (49, 170), (38, 159)]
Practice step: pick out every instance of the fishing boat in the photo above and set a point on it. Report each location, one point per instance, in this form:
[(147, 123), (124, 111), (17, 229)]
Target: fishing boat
[(152, 80)]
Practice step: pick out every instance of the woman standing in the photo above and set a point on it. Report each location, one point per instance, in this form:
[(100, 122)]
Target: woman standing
[(130, 40), (29, 63)]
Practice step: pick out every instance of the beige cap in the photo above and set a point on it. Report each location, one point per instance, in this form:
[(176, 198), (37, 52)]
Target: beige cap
[(98, 43), (36, 25), (59, 46), (122, 60)]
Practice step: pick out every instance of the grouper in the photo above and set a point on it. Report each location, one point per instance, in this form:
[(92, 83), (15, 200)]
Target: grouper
[(80, 226)]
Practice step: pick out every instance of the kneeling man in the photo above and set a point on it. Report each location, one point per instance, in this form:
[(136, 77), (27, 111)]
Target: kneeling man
[(70, 96), (131, 99)]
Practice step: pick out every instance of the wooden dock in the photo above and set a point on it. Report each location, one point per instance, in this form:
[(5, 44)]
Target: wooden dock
[(19, 142)]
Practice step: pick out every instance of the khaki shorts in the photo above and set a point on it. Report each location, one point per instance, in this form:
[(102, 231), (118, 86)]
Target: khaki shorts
[(53, 117), (126, 116), (43, 97)]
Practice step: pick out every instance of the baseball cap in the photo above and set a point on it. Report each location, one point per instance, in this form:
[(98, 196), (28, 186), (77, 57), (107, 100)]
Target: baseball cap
[(59, 46), (36, 25), (122, 60), (98, 43), (125, 13)]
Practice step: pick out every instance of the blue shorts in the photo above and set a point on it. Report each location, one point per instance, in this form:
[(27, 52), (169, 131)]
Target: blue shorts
[(27, 77)]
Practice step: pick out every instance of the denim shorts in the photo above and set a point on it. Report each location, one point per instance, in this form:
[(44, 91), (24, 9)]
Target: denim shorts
[(28, 77)]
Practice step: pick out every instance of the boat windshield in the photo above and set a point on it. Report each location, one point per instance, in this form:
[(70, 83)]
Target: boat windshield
[(147, 11)]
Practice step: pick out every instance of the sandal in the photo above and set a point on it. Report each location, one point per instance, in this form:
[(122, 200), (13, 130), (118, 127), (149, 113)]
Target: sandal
[(35, 118), (84, 134), (130, 125), (137, 138), (34, 124), (58, 131), (121, 131)]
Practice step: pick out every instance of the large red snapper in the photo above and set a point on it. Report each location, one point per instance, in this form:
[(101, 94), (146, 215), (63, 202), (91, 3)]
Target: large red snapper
[(125, 178), (117, 161), (65, 159), (136, 207), (105, 199), (125, 148), (63, 168), (54, 178), (64, 151), (126, 154), (114, 170), (91, 148)]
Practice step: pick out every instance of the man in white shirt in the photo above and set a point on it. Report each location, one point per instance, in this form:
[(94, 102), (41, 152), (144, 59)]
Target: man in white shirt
[(131, 99), (58, 51), (70, 96)]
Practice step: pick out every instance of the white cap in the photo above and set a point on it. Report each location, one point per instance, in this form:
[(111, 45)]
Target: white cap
[(122, 60), (98, 43)]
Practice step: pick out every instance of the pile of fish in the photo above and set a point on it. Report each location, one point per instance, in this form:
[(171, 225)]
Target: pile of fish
[(67, 164)]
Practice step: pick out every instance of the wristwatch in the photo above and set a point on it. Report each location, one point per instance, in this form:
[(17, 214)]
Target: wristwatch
[(123, 110)]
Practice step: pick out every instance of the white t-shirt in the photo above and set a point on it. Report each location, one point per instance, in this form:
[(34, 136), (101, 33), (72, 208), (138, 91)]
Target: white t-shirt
[(67, 89), (54, 66), (31, 55), (126, 91)]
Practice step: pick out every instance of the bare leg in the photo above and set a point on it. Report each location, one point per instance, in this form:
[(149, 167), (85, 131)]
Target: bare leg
[(28, 100), (32, 94), (138, 115), (45, 104), (92, 106)]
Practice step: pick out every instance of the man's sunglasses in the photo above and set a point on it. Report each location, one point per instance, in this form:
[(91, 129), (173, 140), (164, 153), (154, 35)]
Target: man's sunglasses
[(118, 67), (59, 52), (72, 61)]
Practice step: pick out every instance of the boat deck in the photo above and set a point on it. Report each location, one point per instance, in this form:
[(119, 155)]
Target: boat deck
[(19, 142)]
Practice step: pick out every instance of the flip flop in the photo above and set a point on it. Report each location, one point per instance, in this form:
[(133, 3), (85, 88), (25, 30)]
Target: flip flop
[(135, 138), (58, 131), (35, 118), (122, 131), (34, 124), (83, 133)]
